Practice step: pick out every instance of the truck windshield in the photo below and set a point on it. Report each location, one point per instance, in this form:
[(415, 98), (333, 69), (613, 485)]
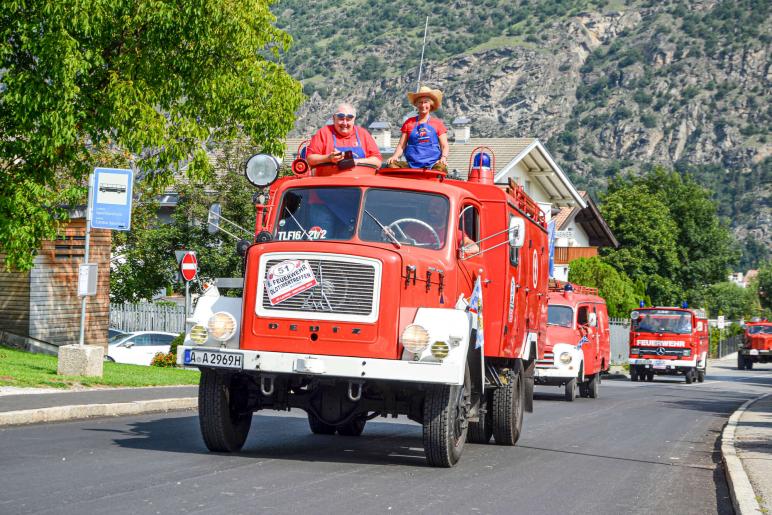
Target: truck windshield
[(318, 214), (412, 218), (760, 329), (560, 315), (662, 321)]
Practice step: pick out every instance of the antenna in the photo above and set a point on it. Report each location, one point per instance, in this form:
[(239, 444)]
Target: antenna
[(421, 66)]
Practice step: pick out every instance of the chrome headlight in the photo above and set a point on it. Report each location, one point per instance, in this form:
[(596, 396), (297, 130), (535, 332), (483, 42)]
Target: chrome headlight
[(687, 352), (222, 326), (199, 334), (565, 358), (635, 350), (415, 338)]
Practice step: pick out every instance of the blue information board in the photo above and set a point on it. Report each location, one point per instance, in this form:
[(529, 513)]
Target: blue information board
[(111, 196)]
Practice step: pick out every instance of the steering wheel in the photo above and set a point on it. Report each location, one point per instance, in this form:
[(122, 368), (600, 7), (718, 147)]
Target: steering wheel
[(396, 224)]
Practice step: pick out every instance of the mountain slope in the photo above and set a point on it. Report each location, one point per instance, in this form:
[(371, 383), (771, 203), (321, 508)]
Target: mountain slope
[(611, 86)]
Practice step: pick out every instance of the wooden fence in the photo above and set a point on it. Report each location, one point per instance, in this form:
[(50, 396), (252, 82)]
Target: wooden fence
[(147, 317)]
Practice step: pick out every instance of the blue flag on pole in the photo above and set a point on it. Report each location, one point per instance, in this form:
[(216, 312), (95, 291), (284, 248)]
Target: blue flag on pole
[(551, 239), (475, 311)]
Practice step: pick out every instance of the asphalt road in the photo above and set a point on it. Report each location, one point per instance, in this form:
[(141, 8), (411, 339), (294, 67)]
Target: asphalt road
[(640, 448)]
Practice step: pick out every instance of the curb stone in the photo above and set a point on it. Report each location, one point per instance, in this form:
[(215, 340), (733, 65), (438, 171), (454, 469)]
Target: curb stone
[(85, 411), (743, 497)]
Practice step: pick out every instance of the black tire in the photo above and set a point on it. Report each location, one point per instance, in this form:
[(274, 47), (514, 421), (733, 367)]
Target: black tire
[(584, 390), (650, 376), (701, 373), (222, 412), (593, 386), (634, 373), (508, 403), (688, 377), (570, 391), (748, 364), (318, 427), (482, 431), (740, 361), (353, 427), (445, 423)]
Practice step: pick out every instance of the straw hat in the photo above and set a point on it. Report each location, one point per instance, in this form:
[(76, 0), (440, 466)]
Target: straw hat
[(435, 95)]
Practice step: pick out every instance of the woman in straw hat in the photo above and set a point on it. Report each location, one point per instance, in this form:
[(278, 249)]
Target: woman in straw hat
[(424, 139)]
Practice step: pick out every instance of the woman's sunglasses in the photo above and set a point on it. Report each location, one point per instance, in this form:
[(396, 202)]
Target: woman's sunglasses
[(341, 116)]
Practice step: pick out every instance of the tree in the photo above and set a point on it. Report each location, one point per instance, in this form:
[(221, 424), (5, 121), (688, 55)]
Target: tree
[(146, 260), (647, 237), (615, 287), (765, 285), (153, 82), (706, 248), (728, 299)]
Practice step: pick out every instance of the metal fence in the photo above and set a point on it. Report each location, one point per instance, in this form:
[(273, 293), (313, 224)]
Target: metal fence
[(723, 346), (619, 329), (147, 317)]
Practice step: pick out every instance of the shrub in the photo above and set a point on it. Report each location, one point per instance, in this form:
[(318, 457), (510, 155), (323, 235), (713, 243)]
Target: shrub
[(162, 360)]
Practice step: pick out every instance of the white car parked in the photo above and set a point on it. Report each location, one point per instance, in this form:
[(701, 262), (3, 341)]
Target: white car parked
[(138, 348)]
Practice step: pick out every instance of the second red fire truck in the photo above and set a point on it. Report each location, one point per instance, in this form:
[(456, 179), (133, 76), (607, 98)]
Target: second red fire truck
[(578, 345), (670, 341), (757, 345)]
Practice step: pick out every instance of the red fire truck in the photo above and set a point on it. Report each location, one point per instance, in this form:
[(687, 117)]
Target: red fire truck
[(757, 345), (374, 293), (668, 340), (578, 348)]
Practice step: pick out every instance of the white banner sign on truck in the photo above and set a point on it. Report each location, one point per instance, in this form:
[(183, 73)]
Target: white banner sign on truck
[(287, 279)]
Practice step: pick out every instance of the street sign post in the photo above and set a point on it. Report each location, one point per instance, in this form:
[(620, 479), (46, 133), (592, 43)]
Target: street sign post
[(111, 199), (188, 271)]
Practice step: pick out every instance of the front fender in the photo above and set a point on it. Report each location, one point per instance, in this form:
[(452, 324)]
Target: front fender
[(577, 358), (208, 304), (450, 326)]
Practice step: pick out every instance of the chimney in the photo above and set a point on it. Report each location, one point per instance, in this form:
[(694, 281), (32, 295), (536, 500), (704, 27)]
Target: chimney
[(461, 129), (381, 132)]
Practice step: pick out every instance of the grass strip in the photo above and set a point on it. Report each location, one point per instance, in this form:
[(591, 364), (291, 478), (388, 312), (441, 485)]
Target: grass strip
[(28, 370)]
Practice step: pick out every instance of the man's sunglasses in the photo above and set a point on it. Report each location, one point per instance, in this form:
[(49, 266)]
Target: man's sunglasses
[(341, 116)]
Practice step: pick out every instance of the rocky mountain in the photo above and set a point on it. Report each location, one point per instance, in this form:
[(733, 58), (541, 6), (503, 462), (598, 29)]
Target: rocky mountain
[(611, 86)]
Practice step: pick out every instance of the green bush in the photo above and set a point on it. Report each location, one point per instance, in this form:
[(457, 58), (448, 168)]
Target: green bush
[(168, 360)]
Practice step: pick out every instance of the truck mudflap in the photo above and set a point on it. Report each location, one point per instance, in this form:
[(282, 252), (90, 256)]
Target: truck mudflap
[(552, 368), (664, 364)]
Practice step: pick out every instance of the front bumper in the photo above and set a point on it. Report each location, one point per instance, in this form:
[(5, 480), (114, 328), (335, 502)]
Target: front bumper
[(755, 352), (664, 364), (346, 367)]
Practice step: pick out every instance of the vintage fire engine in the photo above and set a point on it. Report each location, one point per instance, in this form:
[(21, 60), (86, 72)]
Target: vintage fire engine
[(374, 293), (578, 348), (668, 340), (757, 345)]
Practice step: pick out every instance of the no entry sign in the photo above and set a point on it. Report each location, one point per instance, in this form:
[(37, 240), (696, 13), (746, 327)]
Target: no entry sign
[(189, 266)]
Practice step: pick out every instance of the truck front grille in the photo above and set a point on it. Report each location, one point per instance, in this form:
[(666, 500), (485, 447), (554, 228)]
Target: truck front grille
[(348, 287)]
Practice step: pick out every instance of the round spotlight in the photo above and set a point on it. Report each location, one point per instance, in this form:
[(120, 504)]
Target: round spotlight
[(199, 334), (262, 169), (415, 338), (222, 326)]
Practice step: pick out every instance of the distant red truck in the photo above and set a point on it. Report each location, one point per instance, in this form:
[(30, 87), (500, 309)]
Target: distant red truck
[(578, 348), (670, 341), (757, 347)]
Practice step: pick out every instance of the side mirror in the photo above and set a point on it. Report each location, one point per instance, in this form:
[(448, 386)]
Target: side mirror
[(516, 232), (699, 326), (592, 320), (213, 221), (128, 345)]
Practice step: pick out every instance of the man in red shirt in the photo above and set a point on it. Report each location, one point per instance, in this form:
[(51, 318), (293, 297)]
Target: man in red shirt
[(328, 146)]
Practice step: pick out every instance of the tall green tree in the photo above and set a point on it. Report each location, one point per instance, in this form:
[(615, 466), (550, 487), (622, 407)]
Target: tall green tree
[(614, 286), (153, 82), (647, 236), (706, 248), (764, 287)]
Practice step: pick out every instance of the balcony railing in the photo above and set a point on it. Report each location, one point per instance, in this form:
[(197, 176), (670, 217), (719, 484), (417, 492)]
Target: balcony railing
[(564, 255)]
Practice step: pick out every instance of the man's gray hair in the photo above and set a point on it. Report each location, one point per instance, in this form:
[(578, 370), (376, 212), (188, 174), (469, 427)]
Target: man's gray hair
[(347, 107)]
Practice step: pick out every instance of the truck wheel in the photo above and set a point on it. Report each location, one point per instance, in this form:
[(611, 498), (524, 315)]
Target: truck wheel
[(222, 415), (353, 427), (593, 385), (748, 364), (634, 373), (701, 373), (318, 427), (482, 431), (740, 361), (508, 410), (445, 422), (570, 393), (650, 376), (689, 377)]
